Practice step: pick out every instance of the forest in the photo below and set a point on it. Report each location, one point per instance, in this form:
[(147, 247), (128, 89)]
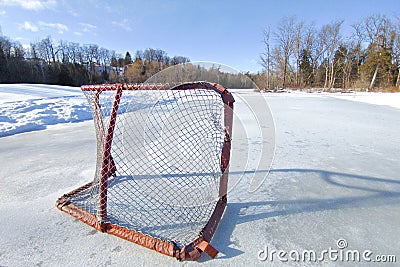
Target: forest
[(301, 55), (296, 55), (69, 63)]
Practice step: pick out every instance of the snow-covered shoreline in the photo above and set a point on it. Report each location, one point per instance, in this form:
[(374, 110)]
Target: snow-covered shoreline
[(32, 107), (384, 99)]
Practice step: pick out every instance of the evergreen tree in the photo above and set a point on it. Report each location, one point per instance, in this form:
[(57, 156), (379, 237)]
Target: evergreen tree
[(306, 68), (128, 59)]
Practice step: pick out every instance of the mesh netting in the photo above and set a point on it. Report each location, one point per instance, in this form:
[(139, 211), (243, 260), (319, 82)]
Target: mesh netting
[(158, 160)]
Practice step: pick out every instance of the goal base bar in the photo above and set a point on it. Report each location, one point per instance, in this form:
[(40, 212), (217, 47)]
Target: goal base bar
[(192, 251)]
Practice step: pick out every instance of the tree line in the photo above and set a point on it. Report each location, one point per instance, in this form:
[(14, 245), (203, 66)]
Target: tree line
[(301, 55), (69, 63), (296, 55), (190, 72)]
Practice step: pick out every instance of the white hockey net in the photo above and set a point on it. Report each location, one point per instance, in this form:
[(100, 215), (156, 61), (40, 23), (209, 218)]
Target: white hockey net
[(159, 159)]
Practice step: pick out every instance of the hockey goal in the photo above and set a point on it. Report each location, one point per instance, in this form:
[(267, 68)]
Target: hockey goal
[(162, 165)]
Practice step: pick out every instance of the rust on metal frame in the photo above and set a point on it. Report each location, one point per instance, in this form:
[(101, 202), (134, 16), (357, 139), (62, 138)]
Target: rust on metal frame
[(192, 251), (135, 86), (202, 243), (107, 166)]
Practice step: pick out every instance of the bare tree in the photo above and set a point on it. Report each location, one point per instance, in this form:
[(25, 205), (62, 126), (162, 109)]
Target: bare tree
[(396, 52), (63, 55), (149, 55), (266, 57), (179, 60), (139, 54), (93, 53), (159, 55), (34, 53), (359, 37), (104, 57), (47, 50), (73, 52), (298, 47), (307, 66), (335, 43), (286, 36), (18, 51), (5, 48), (330, 41)]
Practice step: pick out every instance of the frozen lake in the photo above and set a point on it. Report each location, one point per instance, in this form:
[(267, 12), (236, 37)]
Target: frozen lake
[(335, 176)]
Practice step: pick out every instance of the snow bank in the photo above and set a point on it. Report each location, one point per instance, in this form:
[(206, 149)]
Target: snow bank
[(385, 99), (30, 107)]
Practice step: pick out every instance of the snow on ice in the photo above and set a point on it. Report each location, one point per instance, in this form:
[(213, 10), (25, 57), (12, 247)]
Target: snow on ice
[(335, 176), (30, 107)]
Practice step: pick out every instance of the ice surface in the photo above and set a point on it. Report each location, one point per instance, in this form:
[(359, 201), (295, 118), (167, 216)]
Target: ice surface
[(335, 175)]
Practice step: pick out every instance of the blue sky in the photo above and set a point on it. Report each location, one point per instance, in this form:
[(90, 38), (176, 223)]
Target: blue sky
[(227, 32)]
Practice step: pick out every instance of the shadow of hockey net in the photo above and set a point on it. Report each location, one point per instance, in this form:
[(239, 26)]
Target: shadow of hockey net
[(162, 165)]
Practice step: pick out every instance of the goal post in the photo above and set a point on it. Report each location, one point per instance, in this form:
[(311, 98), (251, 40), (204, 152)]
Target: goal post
[(162, 165)]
